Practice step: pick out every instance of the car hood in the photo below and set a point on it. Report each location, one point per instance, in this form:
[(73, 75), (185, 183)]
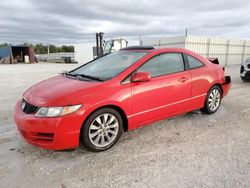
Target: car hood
[(59, 91)]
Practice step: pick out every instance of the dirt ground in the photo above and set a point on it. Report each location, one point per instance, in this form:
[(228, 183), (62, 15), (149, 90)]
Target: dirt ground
[(192, 150)]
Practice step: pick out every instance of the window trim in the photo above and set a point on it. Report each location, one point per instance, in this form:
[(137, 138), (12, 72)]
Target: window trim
[(134, 71), (184, 64), (188, 64), (123, 82)]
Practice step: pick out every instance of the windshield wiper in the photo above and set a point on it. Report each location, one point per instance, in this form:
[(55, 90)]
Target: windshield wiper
[(90, 77), (85, 76), (68, 74)]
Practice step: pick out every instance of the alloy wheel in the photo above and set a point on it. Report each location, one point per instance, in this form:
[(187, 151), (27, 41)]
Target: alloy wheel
[(214, 99), (103, 130)]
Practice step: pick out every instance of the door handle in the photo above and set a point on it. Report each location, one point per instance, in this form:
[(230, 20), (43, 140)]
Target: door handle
[(183, 79)]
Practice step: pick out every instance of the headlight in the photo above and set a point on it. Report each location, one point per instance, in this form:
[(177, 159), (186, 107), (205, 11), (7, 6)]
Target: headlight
[(56, 111)]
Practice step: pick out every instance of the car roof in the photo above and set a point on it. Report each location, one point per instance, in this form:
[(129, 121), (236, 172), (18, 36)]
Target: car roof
[(155, 49), (159, 50)]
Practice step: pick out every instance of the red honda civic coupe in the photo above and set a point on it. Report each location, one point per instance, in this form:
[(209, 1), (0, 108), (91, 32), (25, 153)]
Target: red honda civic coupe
[(96, 102)]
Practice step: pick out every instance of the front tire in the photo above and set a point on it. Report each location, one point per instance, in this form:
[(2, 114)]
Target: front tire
[(213, 100), (245, 80), (102, 130)]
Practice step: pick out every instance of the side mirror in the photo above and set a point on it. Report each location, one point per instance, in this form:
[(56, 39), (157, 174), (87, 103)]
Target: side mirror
[(141, 77)]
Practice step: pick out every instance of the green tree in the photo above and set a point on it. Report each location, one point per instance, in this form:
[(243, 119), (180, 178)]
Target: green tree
[(43, 49), (53, 49), (2, 45), (65, 48), (27, 44), (40, 49)]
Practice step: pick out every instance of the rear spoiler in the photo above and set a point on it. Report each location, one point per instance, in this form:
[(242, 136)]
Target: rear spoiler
[(213, 60)]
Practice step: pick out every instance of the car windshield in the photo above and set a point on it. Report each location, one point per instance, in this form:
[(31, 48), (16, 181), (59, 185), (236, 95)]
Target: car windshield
[(109, 65)]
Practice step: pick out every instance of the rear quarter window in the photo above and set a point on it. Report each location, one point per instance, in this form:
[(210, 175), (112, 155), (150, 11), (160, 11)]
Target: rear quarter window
[(193, 62)]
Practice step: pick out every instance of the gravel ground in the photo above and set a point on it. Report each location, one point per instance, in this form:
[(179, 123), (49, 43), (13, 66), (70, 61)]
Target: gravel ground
[(192, 150)]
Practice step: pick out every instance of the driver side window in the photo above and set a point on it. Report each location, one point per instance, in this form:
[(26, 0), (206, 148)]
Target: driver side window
[(164, 64)]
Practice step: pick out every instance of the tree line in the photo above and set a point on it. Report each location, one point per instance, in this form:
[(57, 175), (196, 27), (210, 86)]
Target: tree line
[(43, 49)]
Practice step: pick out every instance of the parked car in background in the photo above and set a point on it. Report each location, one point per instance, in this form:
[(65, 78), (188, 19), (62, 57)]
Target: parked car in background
[(96, 102), (245, 70)]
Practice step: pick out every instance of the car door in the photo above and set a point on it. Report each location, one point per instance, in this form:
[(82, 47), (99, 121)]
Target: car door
[(200, 81), (166, 93)]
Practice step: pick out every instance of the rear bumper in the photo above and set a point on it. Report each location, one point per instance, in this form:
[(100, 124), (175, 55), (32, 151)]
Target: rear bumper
[(226, 86), (50, 133)]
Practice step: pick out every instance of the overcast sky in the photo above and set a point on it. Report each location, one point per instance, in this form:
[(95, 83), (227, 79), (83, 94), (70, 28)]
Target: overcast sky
[(75, 21)]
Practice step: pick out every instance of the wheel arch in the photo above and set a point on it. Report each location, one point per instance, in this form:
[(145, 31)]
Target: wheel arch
[(219, 85), (115, 107), (213, 85)]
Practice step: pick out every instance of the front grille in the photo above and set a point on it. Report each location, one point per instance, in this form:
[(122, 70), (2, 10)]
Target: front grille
[(28, 108), (45, 136), (247, 75), (38, 137)]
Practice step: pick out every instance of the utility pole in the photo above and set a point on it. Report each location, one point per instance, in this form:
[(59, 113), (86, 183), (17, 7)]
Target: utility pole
[(48, 45), (186, 32), (140, 41)]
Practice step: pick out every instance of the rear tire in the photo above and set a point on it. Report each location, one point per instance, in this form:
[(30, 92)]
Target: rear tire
[(102, 130), (213, 100)]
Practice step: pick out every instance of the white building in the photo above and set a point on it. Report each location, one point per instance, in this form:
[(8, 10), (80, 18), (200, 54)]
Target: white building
[(228, 51), (83, 52)]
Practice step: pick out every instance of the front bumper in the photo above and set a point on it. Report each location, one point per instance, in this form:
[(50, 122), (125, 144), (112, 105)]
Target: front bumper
[(226, 86), (51, 133), (244, 73)]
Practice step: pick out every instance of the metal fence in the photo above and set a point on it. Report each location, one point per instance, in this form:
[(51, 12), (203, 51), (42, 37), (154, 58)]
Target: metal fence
[(55, 56), (228, 51)]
